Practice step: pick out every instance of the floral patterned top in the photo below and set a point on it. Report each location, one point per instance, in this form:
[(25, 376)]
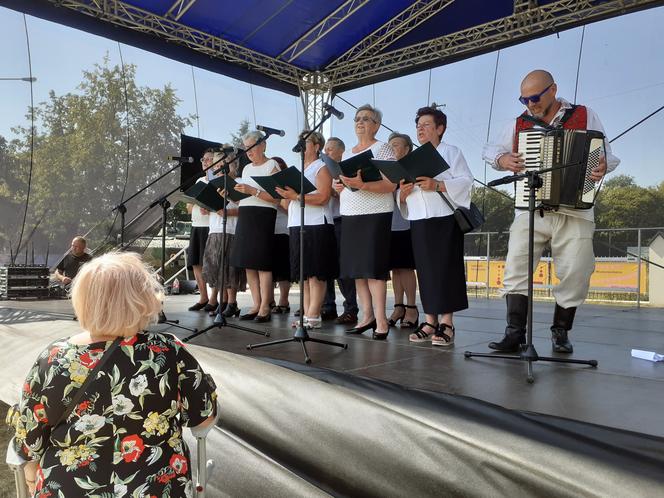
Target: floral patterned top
[(124, 439)]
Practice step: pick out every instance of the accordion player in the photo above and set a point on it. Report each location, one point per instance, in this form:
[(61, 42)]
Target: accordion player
[(573, 154)]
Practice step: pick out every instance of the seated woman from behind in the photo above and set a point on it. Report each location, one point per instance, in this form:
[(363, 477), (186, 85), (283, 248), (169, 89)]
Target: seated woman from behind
[(124, 435)]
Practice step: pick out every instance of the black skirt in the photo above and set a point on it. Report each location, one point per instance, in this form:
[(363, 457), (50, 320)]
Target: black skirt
[(401, 251), (196, 250), (365, 246), (438, 251), (254, 235), (320, 252), (281, 262)]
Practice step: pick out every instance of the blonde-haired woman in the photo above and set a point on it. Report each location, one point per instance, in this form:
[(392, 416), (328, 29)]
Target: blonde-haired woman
[(124, 436)]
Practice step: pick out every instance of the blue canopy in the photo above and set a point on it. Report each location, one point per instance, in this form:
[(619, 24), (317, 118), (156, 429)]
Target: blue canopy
[(340, 44)]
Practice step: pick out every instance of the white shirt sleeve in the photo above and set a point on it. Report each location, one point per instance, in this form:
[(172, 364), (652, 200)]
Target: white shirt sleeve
[(458, 179), (502, 145), (594, 123)]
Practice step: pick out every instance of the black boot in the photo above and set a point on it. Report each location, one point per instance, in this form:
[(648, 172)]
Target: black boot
[(563, 318), (515, 332)]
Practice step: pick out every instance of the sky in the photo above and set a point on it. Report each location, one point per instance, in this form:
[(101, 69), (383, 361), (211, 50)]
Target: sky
[(621, 77)]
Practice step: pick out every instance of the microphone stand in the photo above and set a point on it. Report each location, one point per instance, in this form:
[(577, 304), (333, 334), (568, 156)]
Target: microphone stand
[(301, 334), (220, 319), (528, 352)]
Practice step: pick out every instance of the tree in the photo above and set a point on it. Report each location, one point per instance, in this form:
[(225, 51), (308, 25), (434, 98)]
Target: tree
[(89, 153), (236, 138), (498, 209)]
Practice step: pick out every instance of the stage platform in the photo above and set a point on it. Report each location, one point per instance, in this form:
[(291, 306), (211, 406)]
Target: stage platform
[(622, 392)]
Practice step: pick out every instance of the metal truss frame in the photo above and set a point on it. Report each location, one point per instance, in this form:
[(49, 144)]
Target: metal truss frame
[(365, 62), (392, 30), (134, 18), (524, 24), (315, 90), (301, 45)]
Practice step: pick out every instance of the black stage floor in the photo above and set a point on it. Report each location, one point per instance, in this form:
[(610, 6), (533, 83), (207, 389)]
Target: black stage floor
[(622, 392)]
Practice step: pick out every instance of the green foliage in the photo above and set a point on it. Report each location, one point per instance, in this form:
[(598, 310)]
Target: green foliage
[(81, 156), (236, 138)]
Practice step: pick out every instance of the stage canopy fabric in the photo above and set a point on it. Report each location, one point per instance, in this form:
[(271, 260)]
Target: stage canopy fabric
[(289, 45)]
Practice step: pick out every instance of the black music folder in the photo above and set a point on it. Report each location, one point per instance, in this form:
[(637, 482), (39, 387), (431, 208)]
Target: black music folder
[(423, 161), (289, 177), (349, 167), (231, 193), (205, 195)]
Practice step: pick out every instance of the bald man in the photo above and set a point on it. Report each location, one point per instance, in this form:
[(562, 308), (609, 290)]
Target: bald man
[(570, 231), (72, 262)]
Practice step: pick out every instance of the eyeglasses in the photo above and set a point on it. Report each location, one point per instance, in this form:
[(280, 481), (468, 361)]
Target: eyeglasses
[(423, 125), (534, 98), (363, 119)]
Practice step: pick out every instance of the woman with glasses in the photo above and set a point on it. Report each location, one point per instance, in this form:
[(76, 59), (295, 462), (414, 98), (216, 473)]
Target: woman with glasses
[(254, 233), (366, 218), (197, 240), (216, 262), (319, 244), (437, 239), (402, 261)]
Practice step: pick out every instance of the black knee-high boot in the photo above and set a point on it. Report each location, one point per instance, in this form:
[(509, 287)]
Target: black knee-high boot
[(515, 332)]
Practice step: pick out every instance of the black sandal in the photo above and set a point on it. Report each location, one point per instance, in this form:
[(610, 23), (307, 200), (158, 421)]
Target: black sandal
[(280, 310), (420, 335), (407, 324), (392, 322), (440, 338)]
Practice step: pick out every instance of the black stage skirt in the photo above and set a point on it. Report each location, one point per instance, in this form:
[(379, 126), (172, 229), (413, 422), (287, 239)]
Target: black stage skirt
[(320, 252), (281, 262), (196, 249), (365, 246), (254, 236), (438, 250), (234, 278), (401, 251)]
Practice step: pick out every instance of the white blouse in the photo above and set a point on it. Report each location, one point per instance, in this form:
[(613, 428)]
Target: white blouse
[(363, 202), (216, 221), (313, 215), (458, 180), (198, 219), (250, 170)]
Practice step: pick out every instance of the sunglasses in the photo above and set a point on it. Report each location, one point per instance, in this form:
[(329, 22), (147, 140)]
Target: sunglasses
[(534, 98)]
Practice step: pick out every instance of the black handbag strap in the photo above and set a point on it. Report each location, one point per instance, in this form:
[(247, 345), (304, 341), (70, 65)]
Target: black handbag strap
[(447, 201), (91, 376)]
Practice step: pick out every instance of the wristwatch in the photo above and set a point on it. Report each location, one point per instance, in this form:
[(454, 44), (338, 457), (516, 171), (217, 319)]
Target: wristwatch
[(437, 187), (258, 192)]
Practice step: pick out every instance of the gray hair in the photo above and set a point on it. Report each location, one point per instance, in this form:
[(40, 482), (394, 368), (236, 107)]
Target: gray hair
[(378, 116), (404, 137), (252, 135), (340, 143)]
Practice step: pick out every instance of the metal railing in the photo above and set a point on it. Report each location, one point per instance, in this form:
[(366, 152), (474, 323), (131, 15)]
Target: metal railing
[(491, 247), (174, 258)]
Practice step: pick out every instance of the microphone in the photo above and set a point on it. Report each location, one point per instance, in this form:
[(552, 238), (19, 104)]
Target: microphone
[(270, 131), (180, 159), (335, 112), (502, 181)]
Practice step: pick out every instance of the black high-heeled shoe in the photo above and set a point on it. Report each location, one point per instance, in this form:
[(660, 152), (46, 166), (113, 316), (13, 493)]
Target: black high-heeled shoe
[(407, 324), (380, 336), (231, 310), (363, 328), (392, 322), (218, 310), (263, 318), (249, 316)]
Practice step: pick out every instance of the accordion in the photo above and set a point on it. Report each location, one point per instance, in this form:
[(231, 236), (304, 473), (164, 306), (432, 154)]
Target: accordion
[(575, 152)]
